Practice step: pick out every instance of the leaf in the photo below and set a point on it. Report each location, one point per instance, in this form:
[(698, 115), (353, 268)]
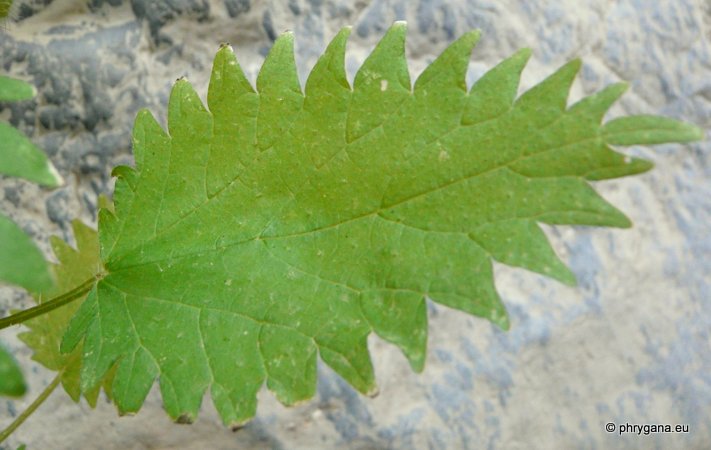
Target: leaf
[(277, 226), (18, 155), (46, 331), (12, 89), (21, 262), (21, 158), (12, 383)]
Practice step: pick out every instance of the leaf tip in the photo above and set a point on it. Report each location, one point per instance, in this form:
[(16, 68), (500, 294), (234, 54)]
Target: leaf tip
[(642, 165), (120, 171), (185, 419), (501, 321), (181, 82), (696, 133), (235, 427), (574, 64), (469, 40), (373, 392), (621, 86), (523, 53), (567, 277), (342, 35), (620, 220), (519, 60), (143, 115), (55, 179), (286, 35), (226, 51)]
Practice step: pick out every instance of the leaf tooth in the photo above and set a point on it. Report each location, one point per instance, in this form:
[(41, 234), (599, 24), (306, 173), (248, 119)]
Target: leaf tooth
[(221, 334), (84, 235), (648, 130), (329, 73), (486, 305), (617, 165), (227, 81), (127, 174), (386, 62), (183, 105), (352, 362), (191, 129), (495, 92), (548, 99), (399, 317), (450, 68), (595, 106), (145, 131), (279, 73), (384, 79), (61, 249), (591, 159), (521, 243), (134, 378), (580, 204), (290, 363), (280, 96), (95, 364)]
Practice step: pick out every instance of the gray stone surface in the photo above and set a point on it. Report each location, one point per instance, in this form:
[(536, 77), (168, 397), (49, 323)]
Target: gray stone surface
[(630, 344)]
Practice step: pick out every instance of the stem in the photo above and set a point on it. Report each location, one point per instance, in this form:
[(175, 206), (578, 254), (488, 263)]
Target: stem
[(44, 308), (4, 434)]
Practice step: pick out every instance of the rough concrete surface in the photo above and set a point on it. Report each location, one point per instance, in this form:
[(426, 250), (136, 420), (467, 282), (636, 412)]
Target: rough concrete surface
[(630, 344)]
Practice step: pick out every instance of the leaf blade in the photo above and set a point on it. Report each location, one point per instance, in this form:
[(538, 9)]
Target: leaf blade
[(12, 383), (239, 253), (21, 262)]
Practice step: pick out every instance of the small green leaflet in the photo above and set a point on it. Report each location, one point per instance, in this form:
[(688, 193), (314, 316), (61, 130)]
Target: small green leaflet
[(12, 384), (46, 331), (280, 226), (21, 262)]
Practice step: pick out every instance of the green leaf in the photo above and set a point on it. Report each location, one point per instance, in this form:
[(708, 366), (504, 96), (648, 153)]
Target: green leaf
[(21, 158), (12, 89), (21, 262), (276, 227), (12, 383), (18, 155), (46, 331)]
